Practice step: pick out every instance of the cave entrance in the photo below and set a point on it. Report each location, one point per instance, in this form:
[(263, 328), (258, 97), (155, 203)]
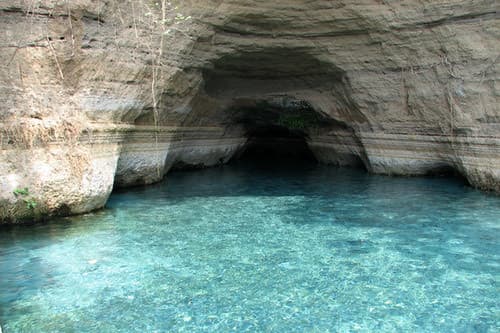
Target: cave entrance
[(287, 103), (276, 144), (277, 129)]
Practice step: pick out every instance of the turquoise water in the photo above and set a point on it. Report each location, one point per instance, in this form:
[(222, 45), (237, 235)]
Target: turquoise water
[(246, 249)]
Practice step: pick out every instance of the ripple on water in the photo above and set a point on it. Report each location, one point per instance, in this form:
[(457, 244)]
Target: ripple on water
[(235, 249)]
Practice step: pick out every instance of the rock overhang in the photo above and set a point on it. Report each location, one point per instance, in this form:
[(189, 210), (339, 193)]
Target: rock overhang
[(407, 87)]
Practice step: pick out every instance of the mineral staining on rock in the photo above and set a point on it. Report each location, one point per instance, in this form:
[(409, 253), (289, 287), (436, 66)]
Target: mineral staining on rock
[(115, 93)]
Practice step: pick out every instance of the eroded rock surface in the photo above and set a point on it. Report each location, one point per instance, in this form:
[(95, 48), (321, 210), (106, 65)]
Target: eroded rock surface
[(97, 94)]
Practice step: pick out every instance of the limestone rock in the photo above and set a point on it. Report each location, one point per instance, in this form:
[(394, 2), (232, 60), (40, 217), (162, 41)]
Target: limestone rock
[(96, 94)]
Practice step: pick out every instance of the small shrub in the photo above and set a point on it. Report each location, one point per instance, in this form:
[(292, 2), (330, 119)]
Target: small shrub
[(21, 192), (24, 194)]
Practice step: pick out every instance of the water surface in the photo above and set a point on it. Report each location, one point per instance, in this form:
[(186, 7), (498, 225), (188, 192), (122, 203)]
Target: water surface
[(247, 249)]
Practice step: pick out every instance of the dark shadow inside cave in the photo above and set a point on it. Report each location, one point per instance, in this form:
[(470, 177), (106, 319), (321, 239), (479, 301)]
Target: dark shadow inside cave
[(277, 131), (276, 144), (282, 100)]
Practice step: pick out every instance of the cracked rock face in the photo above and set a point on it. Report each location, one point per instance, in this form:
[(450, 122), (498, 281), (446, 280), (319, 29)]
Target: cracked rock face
[(97, 94)]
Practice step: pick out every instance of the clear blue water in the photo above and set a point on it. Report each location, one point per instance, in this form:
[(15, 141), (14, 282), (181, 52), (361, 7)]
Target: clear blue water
[(238, 248)]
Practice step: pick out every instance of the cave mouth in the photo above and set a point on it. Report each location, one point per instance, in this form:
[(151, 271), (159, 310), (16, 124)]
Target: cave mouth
[(274, 144), (282, 100), (277, 130)]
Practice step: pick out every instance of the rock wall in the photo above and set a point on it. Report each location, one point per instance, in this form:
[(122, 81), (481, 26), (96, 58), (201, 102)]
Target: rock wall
[(106, 93)]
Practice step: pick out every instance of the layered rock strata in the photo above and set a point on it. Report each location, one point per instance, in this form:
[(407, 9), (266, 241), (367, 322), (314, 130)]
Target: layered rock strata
[(97, 94)]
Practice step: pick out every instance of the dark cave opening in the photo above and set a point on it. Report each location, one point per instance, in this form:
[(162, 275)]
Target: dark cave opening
[(277, 129), (276, 144), (282, 100), (285, 127)]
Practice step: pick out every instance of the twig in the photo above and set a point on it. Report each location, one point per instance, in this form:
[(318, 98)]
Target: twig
[(53, 51), (71, 29)]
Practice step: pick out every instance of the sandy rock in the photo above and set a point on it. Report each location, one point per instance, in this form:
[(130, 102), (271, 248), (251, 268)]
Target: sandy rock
[(95, 94)]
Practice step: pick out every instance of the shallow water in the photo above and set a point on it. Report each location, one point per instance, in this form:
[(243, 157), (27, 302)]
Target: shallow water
[(242, 248)]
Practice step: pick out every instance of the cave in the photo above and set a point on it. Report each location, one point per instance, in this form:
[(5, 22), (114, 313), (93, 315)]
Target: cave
[(276, 133), (249, 166), (108, 100), (283, 102), (276, 144)]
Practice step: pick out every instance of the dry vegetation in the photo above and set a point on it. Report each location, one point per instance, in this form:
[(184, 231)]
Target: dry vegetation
[(40, 67), (29, 132), (151, 20)]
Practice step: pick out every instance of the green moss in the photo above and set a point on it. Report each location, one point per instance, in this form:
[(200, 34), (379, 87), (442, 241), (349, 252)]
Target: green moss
[(300, 121)]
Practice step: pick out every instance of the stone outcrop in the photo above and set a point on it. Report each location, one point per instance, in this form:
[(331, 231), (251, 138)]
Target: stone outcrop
[(97, 94)]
